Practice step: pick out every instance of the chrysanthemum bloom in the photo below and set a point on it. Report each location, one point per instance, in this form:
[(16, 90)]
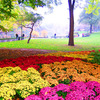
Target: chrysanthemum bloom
[(33, 97)]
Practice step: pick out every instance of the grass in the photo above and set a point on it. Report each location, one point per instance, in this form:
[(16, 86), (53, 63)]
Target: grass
[(81, 44)]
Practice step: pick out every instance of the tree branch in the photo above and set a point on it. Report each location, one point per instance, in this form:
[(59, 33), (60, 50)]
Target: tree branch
[(26, 26), (73, 3), (69, 2)]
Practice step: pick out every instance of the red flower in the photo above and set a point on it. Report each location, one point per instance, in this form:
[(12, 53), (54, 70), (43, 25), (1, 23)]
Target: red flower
[(22, 67), (3, 65), (34, 66)]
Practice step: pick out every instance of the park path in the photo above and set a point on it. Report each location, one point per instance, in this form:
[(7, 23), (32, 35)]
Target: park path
[(6, 53)]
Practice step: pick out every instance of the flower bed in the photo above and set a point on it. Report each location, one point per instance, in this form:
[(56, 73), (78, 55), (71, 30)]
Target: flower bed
[(14, 81), (73, 70), (33, 61), (76, 91), (50, 72)]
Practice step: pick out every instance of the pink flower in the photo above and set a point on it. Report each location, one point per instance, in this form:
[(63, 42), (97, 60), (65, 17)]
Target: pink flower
[(56, 97), (97, 89), (97, 98), (62, 87), (46, 93), (33, 97), (94, 85), (75, 95), (78, 86)]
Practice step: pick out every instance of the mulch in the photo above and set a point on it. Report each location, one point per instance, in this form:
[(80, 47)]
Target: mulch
[(6, 53)]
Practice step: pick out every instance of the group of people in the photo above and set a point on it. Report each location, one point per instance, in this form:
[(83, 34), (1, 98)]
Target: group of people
[(20, 38)]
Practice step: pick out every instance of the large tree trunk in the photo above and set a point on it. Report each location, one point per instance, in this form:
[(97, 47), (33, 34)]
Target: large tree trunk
[(90, 28), (71, 15), (30, 33)]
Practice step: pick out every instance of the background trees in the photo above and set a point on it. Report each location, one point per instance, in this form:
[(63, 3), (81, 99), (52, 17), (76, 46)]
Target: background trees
[(93, 7), (34, 19), (6, 11), (22, 18), (27, 19), (89, 19)]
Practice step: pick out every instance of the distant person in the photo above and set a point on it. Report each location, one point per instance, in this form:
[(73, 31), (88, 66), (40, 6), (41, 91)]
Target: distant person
[(55, 35), (82, 34), (23, 36), (16, 36), (78, 34)]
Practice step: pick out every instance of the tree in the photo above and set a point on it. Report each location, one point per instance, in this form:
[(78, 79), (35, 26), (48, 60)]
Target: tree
[(71, 4), (90, 19), (34, 19)]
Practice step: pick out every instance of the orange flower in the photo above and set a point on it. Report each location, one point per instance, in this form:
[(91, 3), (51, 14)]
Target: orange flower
[(74, 70)]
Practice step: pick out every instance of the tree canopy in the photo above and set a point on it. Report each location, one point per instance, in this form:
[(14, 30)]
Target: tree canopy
[(7, 6), (93, 7), (6, 12), (89, 19)]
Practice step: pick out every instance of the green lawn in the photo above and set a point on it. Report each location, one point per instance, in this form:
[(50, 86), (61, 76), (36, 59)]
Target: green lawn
[(81, 43)]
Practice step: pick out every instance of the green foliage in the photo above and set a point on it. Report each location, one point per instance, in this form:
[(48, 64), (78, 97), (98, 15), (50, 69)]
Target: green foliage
[(3, 28), (6, 13), (53, 78), (12, 72), (96, 57), (71, 77), (6, 7), (37, 90), (63, 94), (66, 81), (1, 84), (64, 69), (93, 7), (1, 98), (40, 65), (13, 97), (89, 18), (32, 3), (31, 93), (18, 92), (52, 85), (43, 73), (34, 17), (30, 81)]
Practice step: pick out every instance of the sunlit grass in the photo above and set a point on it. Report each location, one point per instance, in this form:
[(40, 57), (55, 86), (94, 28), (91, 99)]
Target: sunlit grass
[(81, 43)]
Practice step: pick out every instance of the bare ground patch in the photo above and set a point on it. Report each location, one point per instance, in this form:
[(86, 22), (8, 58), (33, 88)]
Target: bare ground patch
[(15, 53)]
